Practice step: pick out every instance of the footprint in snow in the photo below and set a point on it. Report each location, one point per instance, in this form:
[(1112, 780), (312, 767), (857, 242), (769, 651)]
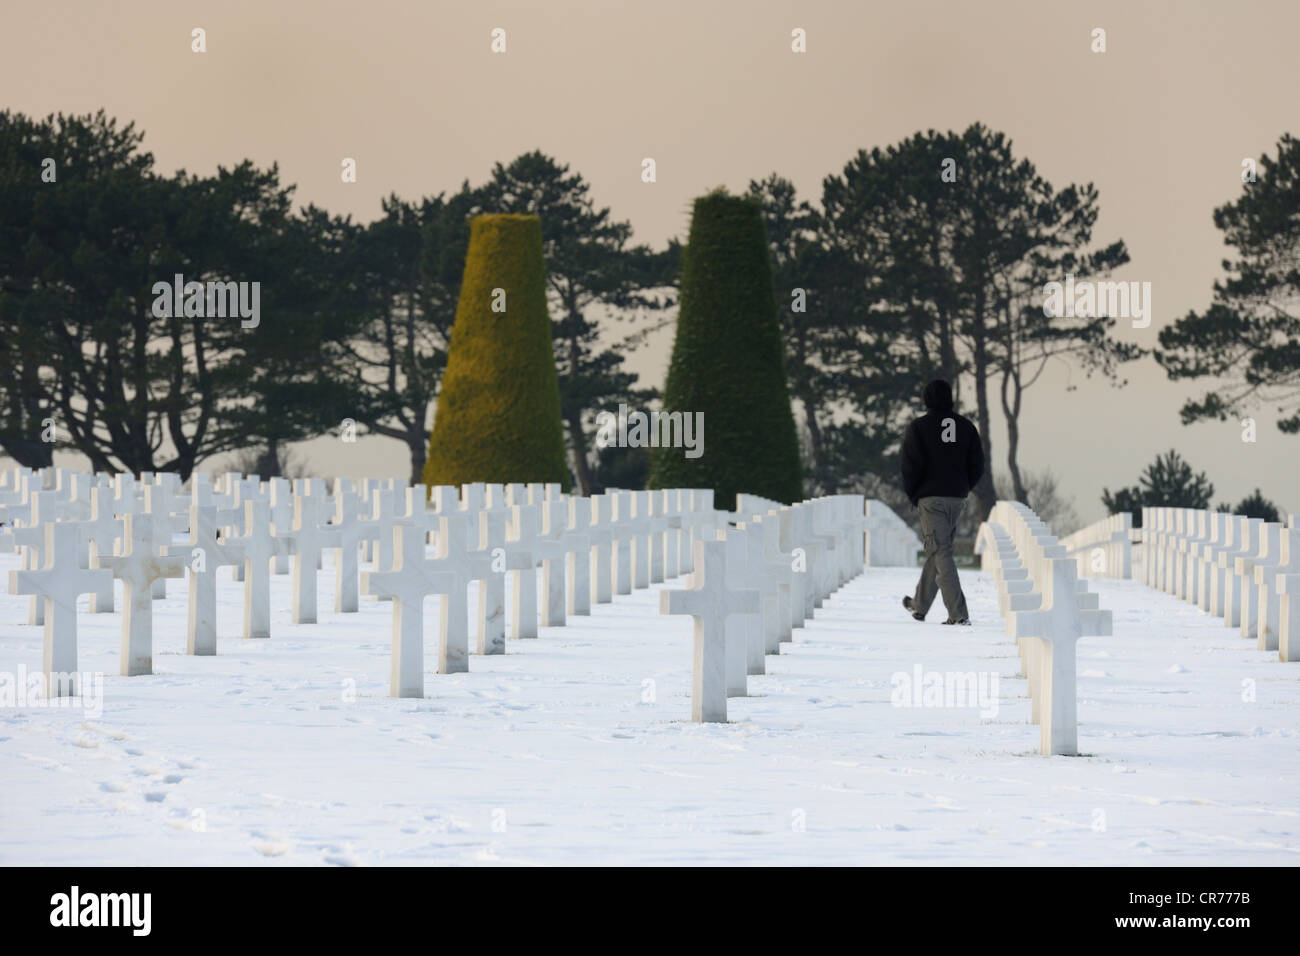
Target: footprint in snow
[(272, 848)]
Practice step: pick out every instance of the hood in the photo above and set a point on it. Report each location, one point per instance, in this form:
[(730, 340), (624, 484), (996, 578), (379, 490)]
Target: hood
[(938, 396)]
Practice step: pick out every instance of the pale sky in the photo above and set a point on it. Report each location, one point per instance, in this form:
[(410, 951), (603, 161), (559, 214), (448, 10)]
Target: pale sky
[(711, 90)]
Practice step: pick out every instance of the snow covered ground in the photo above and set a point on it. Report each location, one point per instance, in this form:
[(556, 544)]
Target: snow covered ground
[(575, 748)]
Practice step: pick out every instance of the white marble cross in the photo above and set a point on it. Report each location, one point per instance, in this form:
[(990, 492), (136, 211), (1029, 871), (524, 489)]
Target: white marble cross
[(601, 534), (699, 522), (127, 498), (710, 601), (1288, 617), (1266, 546), (763, 578), (1216, 570), (525, 526), (73, 489), (243, 490), (205, 496), (744, 631), (444, 499), (540, 493), (160, 504), (659, 522), (460, 566), (137, 567), (682, 506), (798, 578), (667, 507), (1057, 624), (625, 527), (578, 564), (553, 550), (204, 554), (492, 586), (260, 546), (515, 493), (1190, 550), (419, 512), (473, 498), (777, 565), (309, 537), (17, 508), (58, 583), (410, 581), (385, 518), (99, 536), (855, 520), (44, 508), (1246, 542), (281, 517), (351, 531), (642, 522), (818, 551), (316, 488), (1283, 558), (1206, 556)]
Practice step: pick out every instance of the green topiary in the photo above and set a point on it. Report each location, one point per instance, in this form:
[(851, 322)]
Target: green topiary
[(498, 414), (727, 362)]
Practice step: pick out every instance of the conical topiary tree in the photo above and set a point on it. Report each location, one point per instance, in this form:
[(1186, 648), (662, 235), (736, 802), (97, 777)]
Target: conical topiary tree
[(498, 414), (727, 363)]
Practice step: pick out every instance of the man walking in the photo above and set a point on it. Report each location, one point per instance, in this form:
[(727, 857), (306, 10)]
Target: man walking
[(942, 459)]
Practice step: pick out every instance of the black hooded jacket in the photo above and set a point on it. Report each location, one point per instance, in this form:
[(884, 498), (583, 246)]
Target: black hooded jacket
[(942, 453)]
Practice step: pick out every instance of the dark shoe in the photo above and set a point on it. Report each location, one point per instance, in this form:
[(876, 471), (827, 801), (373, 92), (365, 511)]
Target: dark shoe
[(964, 621), (911, 605)]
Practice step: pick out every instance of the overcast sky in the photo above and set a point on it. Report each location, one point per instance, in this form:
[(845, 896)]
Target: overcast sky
[(1160, 122)]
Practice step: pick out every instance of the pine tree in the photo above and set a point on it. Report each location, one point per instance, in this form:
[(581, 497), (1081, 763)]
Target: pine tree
[(1246, 340), (1167, 482), (1254, 505)]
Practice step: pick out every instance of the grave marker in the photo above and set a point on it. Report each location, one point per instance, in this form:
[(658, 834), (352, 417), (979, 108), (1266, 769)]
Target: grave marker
[(710, 602), (57, 584), (137, 567)]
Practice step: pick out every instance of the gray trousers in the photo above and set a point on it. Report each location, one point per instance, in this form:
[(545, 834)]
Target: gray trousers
[(938, 525)]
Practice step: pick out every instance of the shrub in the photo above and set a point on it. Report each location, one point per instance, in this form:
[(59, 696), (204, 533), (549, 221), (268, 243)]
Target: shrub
[(498, 414), (727, 362)]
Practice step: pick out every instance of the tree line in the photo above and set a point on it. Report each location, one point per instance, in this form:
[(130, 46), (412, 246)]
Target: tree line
[(358, 316), (928, 257)]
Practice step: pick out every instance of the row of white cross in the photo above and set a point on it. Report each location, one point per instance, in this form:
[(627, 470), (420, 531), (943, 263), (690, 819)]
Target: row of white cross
[(1244, 570), (78, 532), (891, 542), (760, 579), (1104, 549), (1047, 609)]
